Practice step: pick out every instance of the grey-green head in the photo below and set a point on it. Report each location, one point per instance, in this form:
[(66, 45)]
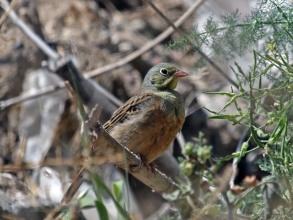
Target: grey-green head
[(163, 76)]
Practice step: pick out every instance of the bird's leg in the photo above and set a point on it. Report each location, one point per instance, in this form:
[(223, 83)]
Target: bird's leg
[(153, 166), (144, 161)]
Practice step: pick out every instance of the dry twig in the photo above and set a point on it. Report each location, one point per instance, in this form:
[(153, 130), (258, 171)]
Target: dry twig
[(222, 185), (147, 46), (8, 9), (35, 38), (24, 97)]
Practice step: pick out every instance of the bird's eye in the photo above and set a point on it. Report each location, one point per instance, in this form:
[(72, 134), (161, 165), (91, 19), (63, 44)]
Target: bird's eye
[(164, 71)]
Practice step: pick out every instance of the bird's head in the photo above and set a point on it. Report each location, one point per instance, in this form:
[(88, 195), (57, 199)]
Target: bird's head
[(162, 76)]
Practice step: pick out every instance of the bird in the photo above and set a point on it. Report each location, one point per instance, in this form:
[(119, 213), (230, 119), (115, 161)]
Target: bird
[(149, 121)]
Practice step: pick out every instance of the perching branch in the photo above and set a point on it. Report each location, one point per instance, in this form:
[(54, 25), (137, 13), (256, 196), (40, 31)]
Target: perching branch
[(103, 148)]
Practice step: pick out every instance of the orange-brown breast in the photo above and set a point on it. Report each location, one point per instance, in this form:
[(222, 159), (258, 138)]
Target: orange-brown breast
[(151, 129)]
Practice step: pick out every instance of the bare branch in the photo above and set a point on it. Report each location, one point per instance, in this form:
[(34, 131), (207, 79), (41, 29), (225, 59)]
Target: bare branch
[(147, 46), (94, 116), (73, 188), (8, 9), (24, 97), (107, 149), (48, 162)]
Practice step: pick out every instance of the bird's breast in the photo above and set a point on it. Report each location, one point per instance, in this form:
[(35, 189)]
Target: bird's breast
[(150, 132)]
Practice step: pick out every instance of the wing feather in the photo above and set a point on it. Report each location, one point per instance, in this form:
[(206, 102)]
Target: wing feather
[(131, 107)]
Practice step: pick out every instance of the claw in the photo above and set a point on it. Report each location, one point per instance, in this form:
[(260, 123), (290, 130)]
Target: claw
[(151, 165)]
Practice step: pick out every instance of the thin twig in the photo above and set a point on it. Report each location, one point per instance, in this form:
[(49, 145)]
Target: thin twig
[(212, 63), (22, 149), (5, 15), (147, 46), (224, 180), (72, 189), (189, 99), (51, 215), (26, 96), (94, 115), (75, 98), (26, 30), (229, 205), (72, 93), (48, 162)]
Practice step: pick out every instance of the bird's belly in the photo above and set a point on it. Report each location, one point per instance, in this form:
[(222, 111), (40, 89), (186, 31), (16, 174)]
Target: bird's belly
[(149, 136)]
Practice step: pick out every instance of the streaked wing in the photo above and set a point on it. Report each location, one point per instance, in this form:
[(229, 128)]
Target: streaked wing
[(131, 107)]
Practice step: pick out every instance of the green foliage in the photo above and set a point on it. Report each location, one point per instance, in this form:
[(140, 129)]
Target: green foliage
[(99, 188), (85, 202), (196, 156), (277, 119), (119, 196), (99, 184), (102, 210), (270, 22), (269, 31), (278, 144), (194, 166)]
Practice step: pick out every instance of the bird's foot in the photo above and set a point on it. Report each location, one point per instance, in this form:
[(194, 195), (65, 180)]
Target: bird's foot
[(151, 165)]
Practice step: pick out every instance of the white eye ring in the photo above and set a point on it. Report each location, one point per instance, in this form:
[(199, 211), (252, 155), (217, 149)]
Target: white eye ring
[(164, 71)]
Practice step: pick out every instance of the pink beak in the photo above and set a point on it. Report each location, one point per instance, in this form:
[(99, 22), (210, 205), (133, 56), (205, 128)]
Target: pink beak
[(180, 74)]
